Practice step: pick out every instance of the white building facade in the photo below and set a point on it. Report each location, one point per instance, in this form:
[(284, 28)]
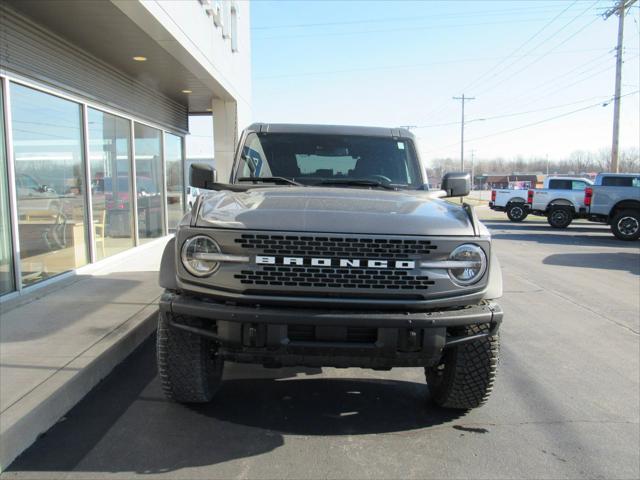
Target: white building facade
[(95, 99)]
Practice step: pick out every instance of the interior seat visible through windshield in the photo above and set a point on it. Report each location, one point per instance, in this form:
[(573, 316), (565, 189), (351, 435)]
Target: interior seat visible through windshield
[(316, 159)]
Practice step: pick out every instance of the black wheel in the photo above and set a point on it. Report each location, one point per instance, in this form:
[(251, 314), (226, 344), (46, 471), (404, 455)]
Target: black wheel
[(625, 225), (188, 364), (516, 212), (464, 377), (560, 216)]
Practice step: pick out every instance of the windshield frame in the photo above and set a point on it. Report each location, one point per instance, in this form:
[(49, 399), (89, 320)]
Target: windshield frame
[(414, 157)]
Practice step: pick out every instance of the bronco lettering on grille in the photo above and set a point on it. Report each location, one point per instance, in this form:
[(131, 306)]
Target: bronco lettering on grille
[(334, 262)]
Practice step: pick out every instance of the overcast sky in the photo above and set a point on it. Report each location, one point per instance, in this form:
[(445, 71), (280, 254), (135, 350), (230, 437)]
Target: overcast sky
[(399, 63)]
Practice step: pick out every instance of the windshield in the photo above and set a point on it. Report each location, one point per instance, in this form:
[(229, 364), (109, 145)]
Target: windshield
[(316, 159)]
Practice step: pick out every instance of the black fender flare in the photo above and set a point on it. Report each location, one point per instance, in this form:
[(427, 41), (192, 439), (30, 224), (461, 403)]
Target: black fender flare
[(561, 202), (624, 205)]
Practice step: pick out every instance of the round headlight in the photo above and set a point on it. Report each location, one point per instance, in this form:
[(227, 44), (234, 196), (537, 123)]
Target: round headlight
[(473, 264), (194, 255)]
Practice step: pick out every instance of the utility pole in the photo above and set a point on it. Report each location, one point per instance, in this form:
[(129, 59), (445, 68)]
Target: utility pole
[(464, 99), (620, 11), (473, 154)]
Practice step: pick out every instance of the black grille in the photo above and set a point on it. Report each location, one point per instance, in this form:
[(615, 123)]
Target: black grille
[(308, 333), (330, 246), (324, 277)]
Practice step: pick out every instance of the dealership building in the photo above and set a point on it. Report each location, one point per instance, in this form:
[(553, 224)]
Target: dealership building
[(95, 99)]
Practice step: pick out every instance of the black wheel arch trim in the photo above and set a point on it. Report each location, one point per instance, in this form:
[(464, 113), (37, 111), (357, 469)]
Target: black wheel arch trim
[(624, 205)]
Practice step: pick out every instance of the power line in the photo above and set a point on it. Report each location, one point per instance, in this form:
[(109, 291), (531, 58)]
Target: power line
[(476, 13), (552, 87), (514, 114), (509, 101), (401, 29), (410, 65), (548, 52), (569, 85), (544, 27), (539, 122), (533, 124), (483, 75), (539, 57), (526, 42)]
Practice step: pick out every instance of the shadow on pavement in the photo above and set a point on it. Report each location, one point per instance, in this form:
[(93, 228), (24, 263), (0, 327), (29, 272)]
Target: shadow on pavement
[(566, 237), (126, 424), (533, 226), (326, 406), (608, 261)]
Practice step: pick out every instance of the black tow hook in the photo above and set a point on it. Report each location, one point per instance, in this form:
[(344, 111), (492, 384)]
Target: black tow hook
[(453, 341), (196, 330)]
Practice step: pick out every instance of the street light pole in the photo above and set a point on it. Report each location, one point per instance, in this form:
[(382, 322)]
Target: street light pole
[(464, 99), (547, 164)]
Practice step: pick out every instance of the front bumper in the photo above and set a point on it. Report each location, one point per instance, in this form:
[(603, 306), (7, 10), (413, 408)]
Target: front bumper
[(342, 338)]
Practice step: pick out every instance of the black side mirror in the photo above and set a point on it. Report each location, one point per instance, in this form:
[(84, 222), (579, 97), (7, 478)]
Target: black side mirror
[(456, 184), (202, 176)]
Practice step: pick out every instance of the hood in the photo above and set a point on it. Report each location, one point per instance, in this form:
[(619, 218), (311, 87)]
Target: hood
[(333, 210)]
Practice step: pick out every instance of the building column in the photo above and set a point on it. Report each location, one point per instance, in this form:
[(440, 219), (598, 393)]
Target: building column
[(225, 136)]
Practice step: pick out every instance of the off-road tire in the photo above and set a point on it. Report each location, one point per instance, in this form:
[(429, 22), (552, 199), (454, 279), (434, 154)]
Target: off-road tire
[(517, 212), (560, 216), (625, 225), (464, 377), (188, 364)]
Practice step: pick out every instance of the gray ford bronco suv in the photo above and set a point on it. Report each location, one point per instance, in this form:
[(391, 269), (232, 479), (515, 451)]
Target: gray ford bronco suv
[(327, 248)]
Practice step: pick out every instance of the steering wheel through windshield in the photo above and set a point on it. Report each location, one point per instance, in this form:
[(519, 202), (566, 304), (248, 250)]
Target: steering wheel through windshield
[(381, 178)]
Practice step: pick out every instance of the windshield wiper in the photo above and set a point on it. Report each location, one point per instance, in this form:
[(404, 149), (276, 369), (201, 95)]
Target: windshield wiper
[(284, 180), (356, 183)]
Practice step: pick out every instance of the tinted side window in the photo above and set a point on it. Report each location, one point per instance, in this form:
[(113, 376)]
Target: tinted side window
[(560, 184), (577, 185), (618, 181)]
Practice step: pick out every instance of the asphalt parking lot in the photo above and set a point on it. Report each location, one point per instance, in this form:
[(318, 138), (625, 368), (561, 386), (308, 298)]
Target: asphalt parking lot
[(566, 402)]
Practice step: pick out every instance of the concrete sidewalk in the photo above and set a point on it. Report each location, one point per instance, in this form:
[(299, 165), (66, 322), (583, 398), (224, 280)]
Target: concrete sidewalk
[(54, 348)]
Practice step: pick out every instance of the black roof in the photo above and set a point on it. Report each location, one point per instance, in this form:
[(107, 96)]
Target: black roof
[(330, 130)]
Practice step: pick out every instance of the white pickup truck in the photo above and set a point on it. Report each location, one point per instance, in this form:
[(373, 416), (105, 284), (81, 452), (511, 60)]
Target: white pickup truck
[(512, 201), (560, 200)]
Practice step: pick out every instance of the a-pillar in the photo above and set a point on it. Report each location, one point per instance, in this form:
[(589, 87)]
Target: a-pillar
[(225, 136)]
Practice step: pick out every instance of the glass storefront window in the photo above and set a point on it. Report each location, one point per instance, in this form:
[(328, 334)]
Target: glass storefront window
[(148, 151), (175, 185), (47, 141), (110, 169), (6, 252)]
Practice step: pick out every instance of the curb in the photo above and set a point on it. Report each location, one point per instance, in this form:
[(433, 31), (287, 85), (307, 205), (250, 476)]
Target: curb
[(40, 409)]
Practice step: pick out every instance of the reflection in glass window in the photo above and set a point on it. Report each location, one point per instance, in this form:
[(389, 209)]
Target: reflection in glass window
[(148, 182), (175, 188), (109, 163), (47, 140), (6, 253), (311, 159)]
